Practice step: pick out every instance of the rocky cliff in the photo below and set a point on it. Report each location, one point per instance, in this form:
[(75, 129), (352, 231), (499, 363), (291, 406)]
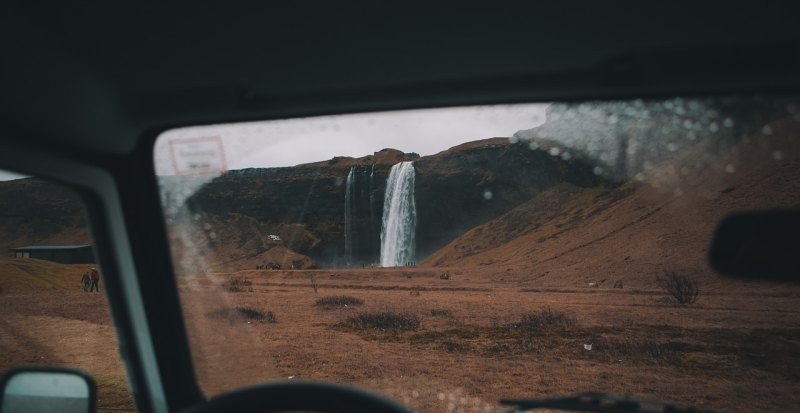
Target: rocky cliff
[(455, 190)]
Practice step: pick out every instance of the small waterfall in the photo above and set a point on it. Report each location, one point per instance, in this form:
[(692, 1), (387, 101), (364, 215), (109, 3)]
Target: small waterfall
[(348, 217), (371, 194), (399, 227)]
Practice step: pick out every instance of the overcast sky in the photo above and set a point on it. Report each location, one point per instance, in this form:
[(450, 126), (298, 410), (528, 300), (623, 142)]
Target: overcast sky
[(295, 141)]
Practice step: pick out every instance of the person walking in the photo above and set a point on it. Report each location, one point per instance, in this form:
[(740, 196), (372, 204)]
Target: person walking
[(86, 281), (95, 276)]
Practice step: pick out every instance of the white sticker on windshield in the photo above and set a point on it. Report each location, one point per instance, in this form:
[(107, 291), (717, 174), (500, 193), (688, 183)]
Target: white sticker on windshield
[(197, 155)]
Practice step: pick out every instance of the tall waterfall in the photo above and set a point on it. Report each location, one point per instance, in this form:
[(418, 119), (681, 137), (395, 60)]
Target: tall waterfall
[(348, 217), (398, 231), (371, 195)]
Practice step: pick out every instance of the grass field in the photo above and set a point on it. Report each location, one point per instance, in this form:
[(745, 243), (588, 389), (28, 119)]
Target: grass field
[(480, 339), (49, 320), (454, 345)]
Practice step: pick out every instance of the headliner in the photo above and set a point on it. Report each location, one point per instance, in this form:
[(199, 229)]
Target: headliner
[(100, 78)]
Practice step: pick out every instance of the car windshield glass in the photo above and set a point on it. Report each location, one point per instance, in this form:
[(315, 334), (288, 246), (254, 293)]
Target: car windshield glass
[(447, 258)]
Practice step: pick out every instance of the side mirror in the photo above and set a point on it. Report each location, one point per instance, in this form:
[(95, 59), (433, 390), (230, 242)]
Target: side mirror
[(758, 245), (41, 389)]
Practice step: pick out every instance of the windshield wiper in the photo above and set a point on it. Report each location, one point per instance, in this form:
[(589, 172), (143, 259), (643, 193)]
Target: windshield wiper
[(602, 403)]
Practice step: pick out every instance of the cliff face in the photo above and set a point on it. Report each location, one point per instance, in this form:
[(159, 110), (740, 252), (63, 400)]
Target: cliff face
[(455, 190)]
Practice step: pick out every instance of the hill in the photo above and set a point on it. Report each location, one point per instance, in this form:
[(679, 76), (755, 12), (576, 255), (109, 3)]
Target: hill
[(455, 190), (663, 221), (34, 211), (25, 275)]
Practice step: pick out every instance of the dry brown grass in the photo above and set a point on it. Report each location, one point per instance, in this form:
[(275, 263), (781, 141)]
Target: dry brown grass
[(696, 354), (383, 321), (240, 313), (334, 301), (737, 349), (238, 285)]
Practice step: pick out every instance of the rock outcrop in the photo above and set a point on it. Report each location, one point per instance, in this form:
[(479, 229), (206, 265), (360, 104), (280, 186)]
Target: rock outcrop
[(455, 190)]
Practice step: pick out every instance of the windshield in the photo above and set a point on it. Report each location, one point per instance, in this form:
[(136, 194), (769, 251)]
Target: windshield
[(447, 258)]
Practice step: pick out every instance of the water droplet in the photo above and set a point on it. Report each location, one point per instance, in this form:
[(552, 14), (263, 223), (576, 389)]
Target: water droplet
[(566, 156), (513, 139), (766, 130), (713, 127), (613, 119), (533, 146), (640, 177), (212, 235), (440, 396), (554, 151), (687, 124), (777, 155), (729, 168), (206, 226), (672, 147), (415, 394), (728, 123), (597, 170), (691, 135), (487, 195)]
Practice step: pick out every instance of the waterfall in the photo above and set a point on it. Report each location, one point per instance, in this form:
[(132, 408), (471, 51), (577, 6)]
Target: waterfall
[(371, 195), (399, 227), (348, 217)]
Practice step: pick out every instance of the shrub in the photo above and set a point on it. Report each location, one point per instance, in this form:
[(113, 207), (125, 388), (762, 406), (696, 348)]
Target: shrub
[(544, 318), (238, 285), (338, 301), (384, 320), (246, 313), (683, 289), (441, 313)]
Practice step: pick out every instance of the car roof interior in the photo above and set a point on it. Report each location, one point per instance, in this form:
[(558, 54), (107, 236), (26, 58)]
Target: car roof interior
[(129, 69), (95, 83)]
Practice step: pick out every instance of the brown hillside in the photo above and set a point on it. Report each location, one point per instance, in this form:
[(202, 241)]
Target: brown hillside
[(236, 242), (570, 236), (34, 211), (25, 275)]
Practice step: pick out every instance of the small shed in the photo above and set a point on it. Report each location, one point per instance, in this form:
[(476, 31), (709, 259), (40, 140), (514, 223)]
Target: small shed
[(65, 254)]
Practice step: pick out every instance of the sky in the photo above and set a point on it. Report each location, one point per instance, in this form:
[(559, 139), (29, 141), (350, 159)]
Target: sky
[(290, 142)]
